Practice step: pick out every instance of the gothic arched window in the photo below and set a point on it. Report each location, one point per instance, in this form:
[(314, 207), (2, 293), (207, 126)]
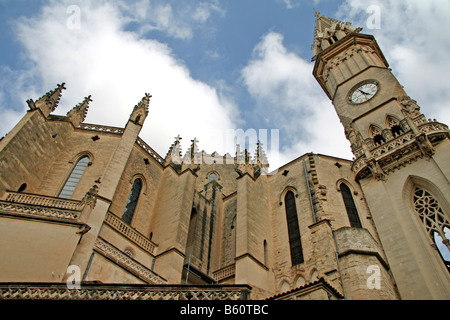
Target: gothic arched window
[(213, 177), (350, 206), (393, 124), (75, 176), (295, 241), (132, 201), (435, 221), (376, 133)]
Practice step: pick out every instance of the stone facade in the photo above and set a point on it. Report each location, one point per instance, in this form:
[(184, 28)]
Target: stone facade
[(217, 222)]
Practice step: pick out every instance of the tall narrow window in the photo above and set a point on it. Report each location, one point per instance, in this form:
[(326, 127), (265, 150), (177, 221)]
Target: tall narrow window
[(74, 178), (132, 201), (350, 206), (295, 241), (435, 221)]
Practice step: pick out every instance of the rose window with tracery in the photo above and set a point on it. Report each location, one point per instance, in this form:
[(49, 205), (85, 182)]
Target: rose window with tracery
[(434, 220)]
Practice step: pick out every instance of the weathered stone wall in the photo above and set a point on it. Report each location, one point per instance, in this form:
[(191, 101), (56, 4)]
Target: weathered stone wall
[(29, 150)]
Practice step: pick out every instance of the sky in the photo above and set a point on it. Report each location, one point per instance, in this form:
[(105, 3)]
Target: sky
[(212, 66)]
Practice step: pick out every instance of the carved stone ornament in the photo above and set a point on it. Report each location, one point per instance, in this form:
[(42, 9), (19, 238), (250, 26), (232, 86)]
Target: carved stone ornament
[(410, 106), (90, 198)]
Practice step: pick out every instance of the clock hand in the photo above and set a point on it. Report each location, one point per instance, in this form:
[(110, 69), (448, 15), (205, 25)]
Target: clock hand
[(365, 93)]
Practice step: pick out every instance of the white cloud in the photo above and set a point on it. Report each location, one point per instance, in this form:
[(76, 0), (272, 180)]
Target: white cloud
[(117, 67), (174, 18), (290, 98), (290, 4)]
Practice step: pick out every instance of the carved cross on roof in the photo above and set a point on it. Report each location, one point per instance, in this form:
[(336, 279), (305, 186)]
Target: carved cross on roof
[(178, 138)]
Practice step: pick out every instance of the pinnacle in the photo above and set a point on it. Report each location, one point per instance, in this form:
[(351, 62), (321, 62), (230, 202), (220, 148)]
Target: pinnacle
[(140, 110), (144, 103), (78, 113), (328, 31), (49, 101)]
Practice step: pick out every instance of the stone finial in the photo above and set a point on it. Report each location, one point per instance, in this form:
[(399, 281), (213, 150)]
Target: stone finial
[(78, 114), (49, 101), (140, 111), (261, 157), (90, 198), (194, 148), (410, 106), (174, 154)]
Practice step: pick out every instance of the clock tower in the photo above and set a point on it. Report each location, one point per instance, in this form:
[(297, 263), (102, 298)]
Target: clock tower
[(401, 159)]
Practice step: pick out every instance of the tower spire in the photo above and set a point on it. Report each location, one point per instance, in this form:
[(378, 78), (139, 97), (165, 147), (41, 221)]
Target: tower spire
[(78, 114), (328, 31), (49, 101), (140, 111)]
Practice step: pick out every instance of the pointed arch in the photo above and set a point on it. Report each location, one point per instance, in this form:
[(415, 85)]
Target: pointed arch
[(432, 211), (314, 275), (143, 180), (87, 153), (285, 286), (74, 177), (132, 201), (285, 191), (376, 133), (213, 176), (391, 121), (393, 124), (299, 281)]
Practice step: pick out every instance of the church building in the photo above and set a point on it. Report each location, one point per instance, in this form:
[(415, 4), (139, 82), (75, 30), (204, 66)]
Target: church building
[(89, 211)]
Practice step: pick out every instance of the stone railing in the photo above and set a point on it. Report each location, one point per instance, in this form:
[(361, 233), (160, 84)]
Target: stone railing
[(138, 238), (100, 128), (224, 273), (433, 126), (126, 262), (43, 201), (404, 143), (150, 151), (88, 291), (393, 144), (38, 205)]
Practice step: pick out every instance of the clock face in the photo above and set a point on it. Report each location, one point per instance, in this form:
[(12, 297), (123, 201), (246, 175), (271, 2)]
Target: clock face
[(363, 92)]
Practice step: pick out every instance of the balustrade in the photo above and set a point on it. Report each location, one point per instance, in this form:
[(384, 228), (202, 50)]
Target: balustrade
[(224, 272), (117, 224)]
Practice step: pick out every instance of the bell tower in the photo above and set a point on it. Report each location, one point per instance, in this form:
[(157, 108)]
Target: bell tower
[(399, 156)]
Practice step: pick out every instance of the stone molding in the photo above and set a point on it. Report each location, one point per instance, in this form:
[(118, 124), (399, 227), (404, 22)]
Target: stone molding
[(125, 261), (131, 234), (89, 291)]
